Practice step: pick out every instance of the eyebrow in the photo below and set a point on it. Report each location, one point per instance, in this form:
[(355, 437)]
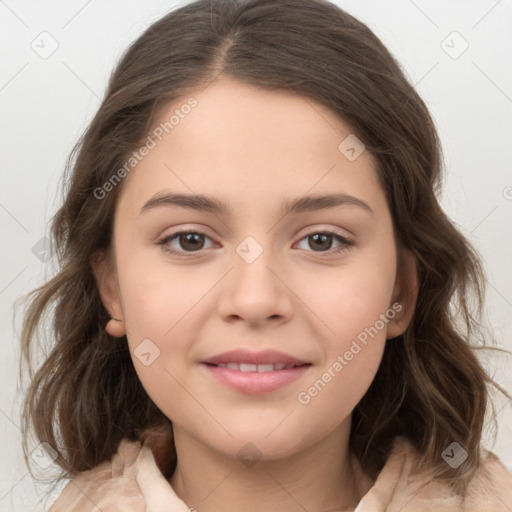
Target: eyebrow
[(200, 202)]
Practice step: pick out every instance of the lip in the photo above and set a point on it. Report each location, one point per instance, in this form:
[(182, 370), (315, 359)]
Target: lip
[(268, 356), (254, 382)]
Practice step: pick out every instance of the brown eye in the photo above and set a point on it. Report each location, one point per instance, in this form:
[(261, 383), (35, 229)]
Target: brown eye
[(184, 242), (191, 241), (322, 242)]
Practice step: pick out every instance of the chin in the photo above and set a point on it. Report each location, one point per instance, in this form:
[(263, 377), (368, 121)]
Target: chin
[(257, 443)]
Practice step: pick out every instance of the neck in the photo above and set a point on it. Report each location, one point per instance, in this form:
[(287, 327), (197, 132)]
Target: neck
[(324, 476)]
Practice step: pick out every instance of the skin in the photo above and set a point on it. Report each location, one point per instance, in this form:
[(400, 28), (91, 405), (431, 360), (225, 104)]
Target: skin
[(254, 149)]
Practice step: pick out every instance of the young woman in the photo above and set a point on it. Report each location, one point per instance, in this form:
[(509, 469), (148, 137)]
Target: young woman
[(254, 309)]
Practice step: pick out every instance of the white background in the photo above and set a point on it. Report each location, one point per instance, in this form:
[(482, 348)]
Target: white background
[(47, 103)]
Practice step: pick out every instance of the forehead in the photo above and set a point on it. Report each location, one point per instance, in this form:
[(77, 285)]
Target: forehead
[(251, 146)]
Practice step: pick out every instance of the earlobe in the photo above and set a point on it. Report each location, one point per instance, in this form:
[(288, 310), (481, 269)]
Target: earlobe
[(115, 328), (405, 294), (104, 274)]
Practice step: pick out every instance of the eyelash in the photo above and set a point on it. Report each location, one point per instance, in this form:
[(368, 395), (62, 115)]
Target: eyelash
[(346, 242)]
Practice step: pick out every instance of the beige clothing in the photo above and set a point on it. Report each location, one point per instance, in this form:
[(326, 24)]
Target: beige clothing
[(132, 482)]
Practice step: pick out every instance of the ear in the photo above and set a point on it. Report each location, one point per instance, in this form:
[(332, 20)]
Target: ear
[(106, 281), (405, 294)]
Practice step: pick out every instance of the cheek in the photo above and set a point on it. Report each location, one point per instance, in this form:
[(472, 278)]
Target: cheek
[(355, 308), (162, 307), (349, 301), (362, 313), (357, 312), (158, 298)]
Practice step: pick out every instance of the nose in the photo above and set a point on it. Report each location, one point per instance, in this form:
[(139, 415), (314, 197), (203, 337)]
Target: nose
[(256, 292)]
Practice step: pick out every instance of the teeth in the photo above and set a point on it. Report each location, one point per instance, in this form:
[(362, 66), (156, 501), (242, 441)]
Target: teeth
[(266, 368), (260, 368), (248, 367)]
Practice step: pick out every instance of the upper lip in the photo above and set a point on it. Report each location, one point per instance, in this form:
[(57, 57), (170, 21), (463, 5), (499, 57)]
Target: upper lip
[(250, 357)]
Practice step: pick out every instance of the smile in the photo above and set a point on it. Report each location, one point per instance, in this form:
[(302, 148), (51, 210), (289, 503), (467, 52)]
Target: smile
[(255, 379), (248, 367)]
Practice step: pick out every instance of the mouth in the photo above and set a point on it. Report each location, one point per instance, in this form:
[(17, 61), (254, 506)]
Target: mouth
[(259, 368), (255, 373), (246, 360)]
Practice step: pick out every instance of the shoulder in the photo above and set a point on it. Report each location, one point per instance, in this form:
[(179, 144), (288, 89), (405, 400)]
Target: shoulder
[(132, 481), (400, 486), (491, 486), (109, 487)]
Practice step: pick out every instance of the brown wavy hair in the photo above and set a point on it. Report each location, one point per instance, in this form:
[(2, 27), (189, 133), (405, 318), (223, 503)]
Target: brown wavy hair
[(430, 386)]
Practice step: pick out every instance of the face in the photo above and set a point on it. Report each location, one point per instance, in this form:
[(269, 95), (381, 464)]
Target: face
[(315, 288)]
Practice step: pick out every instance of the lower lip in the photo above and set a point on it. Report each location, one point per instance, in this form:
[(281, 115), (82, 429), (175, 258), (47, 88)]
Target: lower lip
[(256, 383)]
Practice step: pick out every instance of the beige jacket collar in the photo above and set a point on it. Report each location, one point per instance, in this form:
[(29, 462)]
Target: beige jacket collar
[(132, 482)]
